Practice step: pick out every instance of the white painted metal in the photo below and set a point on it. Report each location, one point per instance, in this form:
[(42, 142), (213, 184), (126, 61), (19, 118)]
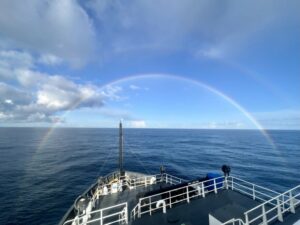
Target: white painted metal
[(99, 216), (278, 205)]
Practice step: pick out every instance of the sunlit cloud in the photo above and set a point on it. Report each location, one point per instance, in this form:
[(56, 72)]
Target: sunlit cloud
[(137, 124)]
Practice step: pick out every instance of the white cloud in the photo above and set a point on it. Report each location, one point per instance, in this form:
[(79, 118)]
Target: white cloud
[(9, 60), (40, 96), (49, 59), (60, 28), (281, 119), (9, 101), (134, 87), (137, 124)]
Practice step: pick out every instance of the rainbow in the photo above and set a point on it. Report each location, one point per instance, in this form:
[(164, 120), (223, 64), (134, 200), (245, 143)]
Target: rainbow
[(211, 89)]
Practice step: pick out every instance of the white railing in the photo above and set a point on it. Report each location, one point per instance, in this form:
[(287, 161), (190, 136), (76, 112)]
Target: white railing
[(143, 181), (275, 208), (234, 222), (168, 199), (256, 192), (153, 179), (110, 215), (165, 200)]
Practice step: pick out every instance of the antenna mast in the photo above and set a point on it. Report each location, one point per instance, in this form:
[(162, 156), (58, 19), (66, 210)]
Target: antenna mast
[(121, 143)]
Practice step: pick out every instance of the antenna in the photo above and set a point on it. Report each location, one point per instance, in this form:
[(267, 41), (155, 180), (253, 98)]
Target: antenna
[(121, 143)]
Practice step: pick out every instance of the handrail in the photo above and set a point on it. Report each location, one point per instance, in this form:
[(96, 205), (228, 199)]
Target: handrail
[(142, 181), (257, 192), (200, 189), (234, 221), (99, 216), (285, 202), (169, 198)]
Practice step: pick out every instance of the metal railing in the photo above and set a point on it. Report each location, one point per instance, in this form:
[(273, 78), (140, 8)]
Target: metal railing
[(168, 199), (234, 222), (110, 215), (143, 181), (275, 208), (165, 200), (256, 192)]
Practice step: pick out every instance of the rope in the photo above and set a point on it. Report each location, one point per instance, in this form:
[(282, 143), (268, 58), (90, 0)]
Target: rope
[(136, 156), (107, 156)]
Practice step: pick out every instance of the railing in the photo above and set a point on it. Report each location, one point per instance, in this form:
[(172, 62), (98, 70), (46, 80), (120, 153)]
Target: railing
[(143, 181), (274, 208), (256, 192), (110, 215), (234, 222), (168, 199)]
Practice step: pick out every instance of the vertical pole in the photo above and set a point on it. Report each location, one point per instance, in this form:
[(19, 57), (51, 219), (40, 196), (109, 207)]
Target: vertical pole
[(253, 190), (101, 217), (126, 213), (121, 142), (264, 216), (283, 203), (150, 206), (292, 206), (279, 213), (170, 199), (139, 209), (226, 183), (215, 187), (187, 194), (246, 219), (203, 190)]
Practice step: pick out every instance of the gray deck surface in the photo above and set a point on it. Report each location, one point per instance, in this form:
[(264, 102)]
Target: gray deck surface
[(225, 205)]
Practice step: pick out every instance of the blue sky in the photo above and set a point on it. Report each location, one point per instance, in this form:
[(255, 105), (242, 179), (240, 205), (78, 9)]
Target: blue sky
[(155, 64)]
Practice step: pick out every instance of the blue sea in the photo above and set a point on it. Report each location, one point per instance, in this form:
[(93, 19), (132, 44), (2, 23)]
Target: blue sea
[(42, 172)]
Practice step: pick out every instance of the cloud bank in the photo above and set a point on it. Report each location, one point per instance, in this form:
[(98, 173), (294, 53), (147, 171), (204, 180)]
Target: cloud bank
[(27, 95)]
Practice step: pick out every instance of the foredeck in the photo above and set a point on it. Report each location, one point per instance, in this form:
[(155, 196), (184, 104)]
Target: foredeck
[(217, 201), (129, 196), (225, 205)]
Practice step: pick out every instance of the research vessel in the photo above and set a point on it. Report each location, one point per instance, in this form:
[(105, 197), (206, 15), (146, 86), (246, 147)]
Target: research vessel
[(133, 198)]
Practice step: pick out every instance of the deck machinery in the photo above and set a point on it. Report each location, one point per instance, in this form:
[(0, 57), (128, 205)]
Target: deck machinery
[(125, 197)]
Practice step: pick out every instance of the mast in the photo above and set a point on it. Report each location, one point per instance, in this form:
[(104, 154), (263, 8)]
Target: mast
[(121, 142)]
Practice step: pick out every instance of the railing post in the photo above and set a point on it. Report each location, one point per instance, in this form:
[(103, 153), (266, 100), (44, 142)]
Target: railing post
[(246, 219), (166, 178), (187, 194), (170, 199), (215, 187), (279, 213), (253, 190), (231, 183), (226, 183), (292, 206), (150, 206), (203, 190), (101, 217), (139, 209), (283, 207), (264, 216)]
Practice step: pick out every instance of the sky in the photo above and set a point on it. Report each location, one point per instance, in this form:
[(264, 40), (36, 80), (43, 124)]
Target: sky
[(152, 64)]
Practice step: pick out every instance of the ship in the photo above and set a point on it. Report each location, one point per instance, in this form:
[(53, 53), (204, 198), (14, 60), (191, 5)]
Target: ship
[(133, 198)]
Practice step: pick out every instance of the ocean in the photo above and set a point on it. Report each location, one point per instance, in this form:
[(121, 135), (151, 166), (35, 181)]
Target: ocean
[(43, 172)]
